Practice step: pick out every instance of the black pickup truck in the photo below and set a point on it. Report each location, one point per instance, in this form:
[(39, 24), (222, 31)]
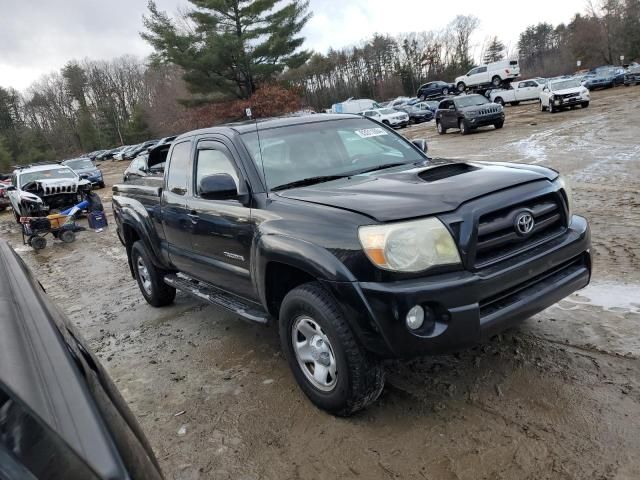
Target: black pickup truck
[(356, 243)]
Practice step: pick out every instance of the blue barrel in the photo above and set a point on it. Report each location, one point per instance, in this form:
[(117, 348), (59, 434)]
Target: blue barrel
[(97, 220)]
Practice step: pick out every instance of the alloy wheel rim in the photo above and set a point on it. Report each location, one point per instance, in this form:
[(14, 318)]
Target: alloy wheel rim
[(143, 275), (314, 353)]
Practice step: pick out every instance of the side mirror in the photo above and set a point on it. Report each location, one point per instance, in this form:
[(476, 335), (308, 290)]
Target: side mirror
[(452, 107), (421, 143), (220, 186)]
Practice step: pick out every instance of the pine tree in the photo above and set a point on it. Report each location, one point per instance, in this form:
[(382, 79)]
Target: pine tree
[(494, 51), (232, 45)]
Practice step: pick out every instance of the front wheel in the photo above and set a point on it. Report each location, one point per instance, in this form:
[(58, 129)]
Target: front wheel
[(329, 364), (584, 104), (464, 128), (445, 91), (499, 101), (441, 129), (542, 107), (150, 278), (461, 86), (496, 81), (101, 185), (551, 109), (498, 125)]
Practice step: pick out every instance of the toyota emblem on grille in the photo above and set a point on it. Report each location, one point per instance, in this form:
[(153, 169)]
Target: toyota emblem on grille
[(524, 223)]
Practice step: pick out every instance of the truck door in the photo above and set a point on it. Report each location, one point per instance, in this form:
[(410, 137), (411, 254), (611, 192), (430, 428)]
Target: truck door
[(524, 91), (176, 222), (222, 231)]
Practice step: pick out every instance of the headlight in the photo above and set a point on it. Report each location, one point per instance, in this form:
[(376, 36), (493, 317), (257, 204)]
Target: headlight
[(409, 246), (567, 190)]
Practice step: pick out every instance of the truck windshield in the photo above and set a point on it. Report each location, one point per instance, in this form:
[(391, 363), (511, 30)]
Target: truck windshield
[(470, 101), (565, 84), (326, 149), (53, 174)]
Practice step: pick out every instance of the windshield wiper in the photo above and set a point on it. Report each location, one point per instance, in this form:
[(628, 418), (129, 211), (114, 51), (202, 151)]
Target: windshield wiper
[(380, 167), (308, 181)]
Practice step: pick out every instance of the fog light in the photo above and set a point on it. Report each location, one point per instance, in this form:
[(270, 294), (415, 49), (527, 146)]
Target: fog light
[(415, 317)]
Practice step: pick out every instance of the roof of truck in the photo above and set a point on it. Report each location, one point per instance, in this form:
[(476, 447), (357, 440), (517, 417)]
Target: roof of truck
[(246, 126), (38, 168)]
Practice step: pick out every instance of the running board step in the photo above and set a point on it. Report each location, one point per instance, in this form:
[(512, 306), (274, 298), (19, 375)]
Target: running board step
[(217, 296)]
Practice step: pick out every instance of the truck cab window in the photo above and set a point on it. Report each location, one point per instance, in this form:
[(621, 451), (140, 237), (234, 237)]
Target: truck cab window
[(212, 162), (177, 177)]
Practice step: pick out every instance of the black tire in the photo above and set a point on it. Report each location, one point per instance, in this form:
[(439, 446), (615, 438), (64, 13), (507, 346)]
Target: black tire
[(440, 128), (359, 377), (445, 91), (101, 185), (496, 81), (551, 109), (67, 236), (2, 209), (464, 128), (514, 104), (158, 294), (499, 101), (542, 107), (461, 87), (498, 125), (38, 243), (386, 122), (584, 104)]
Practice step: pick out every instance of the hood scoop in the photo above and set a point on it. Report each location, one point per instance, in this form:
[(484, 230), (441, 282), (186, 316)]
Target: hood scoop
[(445, 171)]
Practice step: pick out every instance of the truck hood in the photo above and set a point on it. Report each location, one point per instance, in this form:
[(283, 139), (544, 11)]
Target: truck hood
[(568, 90), (440, 187)]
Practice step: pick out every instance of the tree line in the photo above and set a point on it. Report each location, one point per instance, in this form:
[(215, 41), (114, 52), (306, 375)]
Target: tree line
[(210, 60)]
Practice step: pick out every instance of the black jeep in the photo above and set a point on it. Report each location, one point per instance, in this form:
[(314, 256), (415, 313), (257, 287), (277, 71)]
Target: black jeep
[(467, 113)]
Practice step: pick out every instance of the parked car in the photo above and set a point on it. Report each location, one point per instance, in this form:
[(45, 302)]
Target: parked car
[(417, 114), (604, 78), (517, 92), (354, 105), (139, 168), (141, 148), (388, 116), (468, 112), (85, 168), (433, 89), (37, 189), (563, 93), (399, 101), (124, 153), (108, 154), (353, 241), (430, 104), (493, 74), (61, 416), (632, 75)]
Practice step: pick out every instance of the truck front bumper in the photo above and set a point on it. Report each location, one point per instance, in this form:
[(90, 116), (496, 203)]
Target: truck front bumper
[(467, 307)]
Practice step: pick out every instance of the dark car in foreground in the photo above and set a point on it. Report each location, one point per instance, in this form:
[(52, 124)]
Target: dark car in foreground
[(468, 112), (353, 241), (61, 417), (86, 170), (4, 198), (433, 89)]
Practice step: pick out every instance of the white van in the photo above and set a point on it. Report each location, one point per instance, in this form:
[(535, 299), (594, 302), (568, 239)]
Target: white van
[(354, 106), (494, 74)]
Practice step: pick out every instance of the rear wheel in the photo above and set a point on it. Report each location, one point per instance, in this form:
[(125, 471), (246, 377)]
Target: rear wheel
[(67, 236), (445, 91), (514, 103), (441, 129), (329, 364), (38, 243), (499, 101), (461, 86), (150, 278), (464, 128), (101, 185), (496, 81)]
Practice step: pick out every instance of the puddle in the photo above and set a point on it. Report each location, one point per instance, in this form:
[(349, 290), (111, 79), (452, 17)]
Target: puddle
[(611, 297)]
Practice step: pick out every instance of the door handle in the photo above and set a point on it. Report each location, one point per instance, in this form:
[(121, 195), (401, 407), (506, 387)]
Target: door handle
[(193, 215), (179, 191)]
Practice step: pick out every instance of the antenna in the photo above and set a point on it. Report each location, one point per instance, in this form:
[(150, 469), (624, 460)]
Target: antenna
[(264, 175)]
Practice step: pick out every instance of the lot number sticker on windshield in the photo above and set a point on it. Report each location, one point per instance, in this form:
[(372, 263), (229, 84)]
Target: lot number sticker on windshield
[(371, 132)]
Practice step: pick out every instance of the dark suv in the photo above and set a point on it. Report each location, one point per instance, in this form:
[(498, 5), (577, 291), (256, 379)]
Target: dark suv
[(433, 89), (467, 113)]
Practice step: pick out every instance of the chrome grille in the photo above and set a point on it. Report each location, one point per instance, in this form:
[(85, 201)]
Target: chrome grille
[(498, 238), (489, 110)]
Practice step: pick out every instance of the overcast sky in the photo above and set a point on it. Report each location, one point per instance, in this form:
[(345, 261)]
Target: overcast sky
[(40, 36)]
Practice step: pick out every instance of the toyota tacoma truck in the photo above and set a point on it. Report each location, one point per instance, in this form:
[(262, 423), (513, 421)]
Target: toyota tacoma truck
[(355, 243)]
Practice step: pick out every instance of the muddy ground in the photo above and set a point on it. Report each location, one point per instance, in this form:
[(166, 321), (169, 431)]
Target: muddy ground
[(558, 398)]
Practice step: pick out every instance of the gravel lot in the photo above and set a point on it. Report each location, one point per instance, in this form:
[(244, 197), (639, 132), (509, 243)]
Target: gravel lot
[(558, 398)]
